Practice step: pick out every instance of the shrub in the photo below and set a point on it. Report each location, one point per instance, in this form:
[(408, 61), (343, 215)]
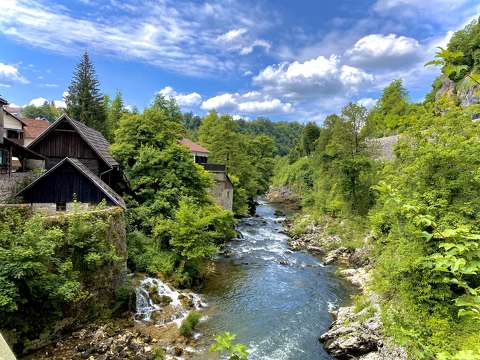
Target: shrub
[(189, 323), (224, 344)]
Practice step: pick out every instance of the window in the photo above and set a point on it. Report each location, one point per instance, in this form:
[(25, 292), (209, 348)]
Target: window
[(3, 157), (12, 134), (201, 159), (61, 206)]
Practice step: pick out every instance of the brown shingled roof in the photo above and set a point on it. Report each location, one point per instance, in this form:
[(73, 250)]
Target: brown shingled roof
[(34, 127), (193, 146)]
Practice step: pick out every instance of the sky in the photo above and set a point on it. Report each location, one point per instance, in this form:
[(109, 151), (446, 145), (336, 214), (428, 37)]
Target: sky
[(282, 59)]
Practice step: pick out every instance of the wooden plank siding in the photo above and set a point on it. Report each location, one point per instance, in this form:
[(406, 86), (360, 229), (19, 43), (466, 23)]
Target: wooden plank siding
[(64, 184), (62, 143)]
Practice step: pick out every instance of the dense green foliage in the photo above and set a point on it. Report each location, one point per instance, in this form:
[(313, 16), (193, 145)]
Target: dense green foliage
[(114, 111), (173, 223), (285, 134), (192, 123), (46, 111), (426, 228), (84, 100), (43, 265), (467, 42), (249, 158), (337, 175), (387, 116)]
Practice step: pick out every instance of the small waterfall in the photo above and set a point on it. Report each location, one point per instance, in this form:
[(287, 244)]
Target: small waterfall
[(161, 304)]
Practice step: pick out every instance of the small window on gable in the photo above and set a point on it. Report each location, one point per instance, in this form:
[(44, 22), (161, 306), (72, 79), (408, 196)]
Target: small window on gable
[(61, 206)]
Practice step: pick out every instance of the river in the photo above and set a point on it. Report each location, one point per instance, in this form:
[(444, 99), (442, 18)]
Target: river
[(277, 301)]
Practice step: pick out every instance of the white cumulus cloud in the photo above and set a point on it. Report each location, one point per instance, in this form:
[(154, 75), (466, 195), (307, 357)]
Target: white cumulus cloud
[(187, 100), (10, 73), (38, 101), (60, 104), (253, 103), (316, 77), (377, 51)]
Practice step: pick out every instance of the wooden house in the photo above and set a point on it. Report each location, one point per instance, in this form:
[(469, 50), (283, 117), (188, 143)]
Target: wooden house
[(222, 190), (13, 155), (70, 138), (200, 154), (78, 167), (67, 181)]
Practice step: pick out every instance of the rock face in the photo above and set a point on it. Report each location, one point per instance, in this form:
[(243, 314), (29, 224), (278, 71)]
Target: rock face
[(350, 337), (466, 95), (355, 333), (281, 195)]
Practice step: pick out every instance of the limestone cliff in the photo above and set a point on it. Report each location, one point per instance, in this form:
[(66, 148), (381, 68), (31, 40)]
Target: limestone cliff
[(465, 93)]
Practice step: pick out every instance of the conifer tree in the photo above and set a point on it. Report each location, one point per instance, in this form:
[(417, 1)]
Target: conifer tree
[(84, 100), (115, 112)]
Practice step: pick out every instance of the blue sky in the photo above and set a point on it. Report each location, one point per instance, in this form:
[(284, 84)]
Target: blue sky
[(283, 59)]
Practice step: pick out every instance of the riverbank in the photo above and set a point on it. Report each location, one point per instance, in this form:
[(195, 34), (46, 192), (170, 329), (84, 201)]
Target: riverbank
[(356, 332)]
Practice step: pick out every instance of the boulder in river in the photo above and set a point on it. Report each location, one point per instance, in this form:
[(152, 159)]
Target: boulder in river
[(350, 336)]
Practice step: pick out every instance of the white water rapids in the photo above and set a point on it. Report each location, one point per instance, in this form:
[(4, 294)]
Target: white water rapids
[(175, 311)]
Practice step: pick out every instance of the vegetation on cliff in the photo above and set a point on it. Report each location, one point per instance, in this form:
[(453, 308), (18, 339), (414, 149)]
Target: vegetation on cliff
[(421, 209), (46, 265)]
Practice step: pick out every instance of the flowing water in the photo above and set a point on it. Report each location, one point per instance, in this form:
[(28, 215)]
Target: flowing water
[(277, 301)]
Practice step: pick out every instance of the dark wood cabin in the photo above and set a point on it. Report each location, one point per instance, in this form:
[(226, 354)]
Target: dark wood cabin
[(68, 181), (73, 139)]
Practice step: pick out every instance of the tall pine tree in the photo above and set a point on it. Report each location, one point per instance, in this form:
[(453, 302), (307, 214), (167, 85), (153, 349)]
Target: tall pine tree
[(84, 100)]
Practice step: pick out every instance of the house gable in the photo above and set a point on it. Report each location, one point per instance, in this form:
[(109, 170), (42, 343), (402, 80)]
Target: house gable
[(67, 181), (69, 138)]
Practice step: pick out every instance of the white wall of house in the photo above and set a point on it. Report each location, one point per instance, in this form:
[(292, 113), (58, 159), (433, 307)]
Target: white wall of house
[(9, 122)]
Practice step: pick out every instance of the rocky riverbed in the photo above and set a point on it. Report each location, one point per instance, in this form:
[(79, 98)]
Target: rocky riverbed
[(149, 333), (356, 332)]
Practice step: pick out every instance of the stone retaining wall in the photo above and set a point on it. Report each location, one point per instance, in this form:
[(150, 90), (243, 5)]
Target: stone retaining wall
[(10, 184)]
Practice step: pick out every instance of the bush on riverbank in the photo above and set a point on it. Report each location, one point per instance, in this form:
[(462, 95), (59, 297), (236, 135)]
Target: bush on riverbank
[(190, 323)]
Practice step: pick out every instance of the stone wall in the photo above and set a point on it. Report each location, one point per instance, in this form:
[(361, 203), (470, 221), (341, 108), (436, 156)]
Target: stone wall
[(51, 208), (10, 184), (222, 190), (383, 148)]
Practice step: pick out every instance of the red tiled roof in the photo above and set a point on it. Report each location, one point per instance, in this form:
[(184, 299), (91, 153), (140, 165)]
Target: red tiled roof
[(193, 146), (34, 127)]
